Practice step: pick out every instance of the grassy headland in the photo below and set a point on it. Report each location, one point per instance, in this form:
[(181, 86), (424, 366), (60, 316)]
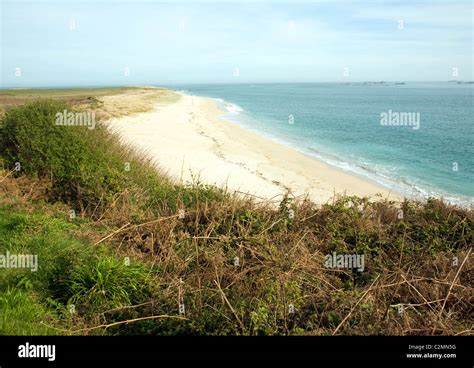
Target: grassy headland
[(122, 249), (107, 101)]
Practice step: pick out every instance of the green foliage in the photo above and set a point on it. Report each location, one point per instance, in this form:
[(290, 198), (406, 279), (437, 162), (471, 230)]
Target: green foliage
[(276, 308), (79, 161), (21, 314), (69, 272), (108, 283)]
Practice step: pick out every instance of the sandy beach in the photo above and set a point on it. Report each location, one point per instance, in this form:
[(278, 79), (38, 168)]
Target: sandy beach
[(188, 140)]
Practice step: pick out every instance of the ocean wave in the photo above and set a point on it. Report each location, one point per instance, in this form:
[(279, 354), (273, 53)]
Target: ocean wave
[(232, 108), (387, 177)]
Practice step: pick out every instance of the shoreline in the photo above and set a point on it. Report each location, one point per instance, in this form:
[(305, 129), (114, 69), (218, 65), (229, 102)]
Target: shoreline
[(226, 116), (189, 140), (401, 189)]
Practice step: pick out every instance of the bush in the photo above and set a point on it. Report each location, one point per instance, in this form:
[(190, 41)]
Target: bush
[(108, 283), (87, 167)]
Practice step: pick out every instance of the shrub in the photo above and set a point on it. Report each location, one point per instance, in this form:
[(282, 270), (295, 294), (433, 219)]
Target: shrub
[(78, 160), (108, 283)]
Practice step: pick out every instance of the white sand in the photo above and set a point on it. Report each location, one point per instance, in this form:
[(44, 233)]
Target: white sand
[(188, 140)]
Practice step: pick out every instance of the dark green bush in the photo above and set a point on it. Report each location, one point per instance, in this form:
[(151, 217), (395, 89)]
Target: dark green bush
[(86, 166)]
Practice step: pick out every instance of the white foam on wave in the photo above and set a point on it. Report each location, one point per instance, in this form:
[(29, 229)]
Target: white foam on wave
[(390, 179), (230, 107)]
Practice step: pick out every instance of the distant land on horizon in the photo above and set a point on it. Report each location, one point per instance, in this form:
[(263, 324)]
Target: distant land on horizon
[(228, 83)]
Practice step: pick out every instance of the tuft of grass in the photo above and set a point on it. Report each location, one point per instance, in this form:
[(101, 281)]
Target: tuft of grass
[(108, 283)]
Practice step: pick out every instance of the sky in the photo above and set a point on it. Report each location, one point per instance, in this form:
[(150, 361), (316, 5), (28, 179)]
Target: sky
[(101, 43)]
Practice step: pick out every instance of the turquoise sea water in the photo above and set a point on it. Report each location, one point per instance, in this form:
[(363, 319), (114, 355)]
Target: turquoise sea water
[(340, 123)]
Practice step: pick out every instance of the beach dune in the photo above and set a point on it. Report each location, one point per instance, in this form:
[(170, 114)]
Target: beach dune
[(189, 140)]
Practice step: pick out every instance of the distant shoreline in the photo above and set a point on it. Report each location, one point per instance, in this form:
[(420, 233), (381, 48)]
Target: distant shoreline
[(169, 84)]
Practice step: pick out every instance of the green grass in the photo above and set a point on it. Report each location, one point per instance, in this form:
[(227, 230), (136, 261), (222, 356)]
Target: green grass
[(29, 93), (12, 97), (85, 97), (22, 292), (109, 283), (21, 314), (70, 272)]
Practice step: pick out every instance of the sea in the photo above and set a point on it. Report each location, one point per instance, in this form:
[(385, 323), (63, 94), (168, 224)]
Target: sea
[(413, 138)]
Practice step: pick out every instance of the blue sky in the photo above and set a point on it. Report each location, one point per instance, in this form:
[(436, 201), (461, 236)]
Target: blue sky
[(90, 43)]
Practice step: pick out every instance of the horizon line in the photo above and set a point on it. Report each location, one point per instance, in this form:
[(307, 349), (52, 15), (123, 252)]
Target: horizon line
[(226, 83)]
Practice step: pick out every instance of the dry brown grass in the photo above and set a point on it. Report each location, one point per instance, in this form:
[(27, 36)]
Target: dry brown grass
[(106, 102), (134, 101), (404, 290)]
